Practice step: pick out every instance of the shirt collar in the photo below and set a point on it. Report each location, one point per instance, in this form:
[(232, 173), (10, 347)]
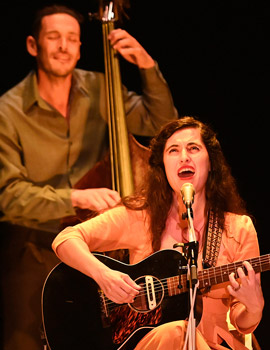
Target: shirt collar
[(31, 93), (32, 96), (78, 83)]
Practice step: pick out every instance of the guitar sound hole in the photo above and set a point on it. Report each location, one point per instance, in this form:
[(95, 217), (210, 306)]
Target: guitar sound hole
[(150, 296)]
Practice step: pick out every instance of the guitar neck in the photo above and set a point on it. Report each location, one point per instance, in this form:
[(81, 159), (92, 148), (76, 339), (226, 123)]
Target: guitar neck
[(220, 274)]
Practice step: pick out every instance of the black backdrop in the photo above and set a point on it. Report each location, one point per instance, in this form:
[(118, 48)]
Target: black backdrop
[(214, 55)]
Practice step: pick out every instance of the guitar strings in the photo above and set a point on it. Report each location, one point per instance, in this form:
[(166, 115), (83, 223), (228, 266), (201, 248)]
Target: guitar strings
[(159, 286)]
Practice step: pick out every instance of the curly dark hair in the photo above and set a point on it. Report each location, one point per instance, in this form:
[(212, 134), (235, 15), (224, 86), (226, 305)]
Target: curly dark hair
[(157, 195)]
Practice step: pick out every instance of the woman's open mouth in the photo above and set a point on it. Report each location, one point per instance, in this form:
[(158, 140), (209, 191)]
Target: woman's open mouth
[(185, 173)]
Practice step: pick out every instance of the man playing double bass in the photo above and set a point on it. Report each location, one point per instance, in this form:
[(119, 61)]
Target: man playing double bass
[(52, 131)]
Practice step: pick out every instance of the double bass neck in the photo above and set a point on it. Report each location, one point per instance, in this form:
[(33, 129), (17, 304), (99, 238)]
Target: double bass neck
[(121, 167)]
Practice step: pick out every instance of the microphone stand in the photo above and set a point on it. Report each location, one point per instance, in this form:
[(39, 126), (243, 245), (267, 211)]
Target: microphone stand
[(191, 252)]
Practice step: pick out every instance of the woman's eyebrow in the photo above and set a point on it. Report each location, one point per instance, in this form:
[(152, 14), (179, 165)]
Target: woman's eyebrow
[(170, 146)]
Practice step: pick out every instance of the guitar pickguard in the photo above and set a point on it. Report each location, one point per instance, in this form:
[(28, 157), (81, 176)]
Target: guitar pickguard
[(124, 321)]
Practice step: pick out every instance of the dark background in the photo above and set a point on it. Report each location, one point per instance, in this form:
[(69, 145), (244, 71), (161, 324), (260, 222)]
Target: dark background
[(214, 56)]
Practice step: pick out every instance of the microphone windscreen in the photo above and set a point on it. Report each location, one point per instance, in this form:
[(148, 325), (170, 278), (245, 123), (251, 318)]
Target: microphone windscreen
[(188, 192)]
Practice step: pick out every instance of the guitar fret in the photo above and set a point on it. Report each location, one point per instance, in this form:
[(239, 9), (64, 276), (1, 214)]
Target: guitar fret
[(175, 283), (212, 279), (170, 283), (218, 276), (223, 274), (175, 286), (228, 271), (205, 281), (233, 269)]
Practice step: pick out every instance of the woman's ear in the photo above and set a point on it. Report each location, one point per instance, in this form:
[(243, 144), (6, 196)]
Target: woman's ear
[(31, 45)]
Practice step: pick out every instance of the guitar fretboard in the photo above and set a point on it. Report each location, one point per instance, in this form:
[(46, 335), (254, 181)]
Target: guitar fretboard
[(216, 275)]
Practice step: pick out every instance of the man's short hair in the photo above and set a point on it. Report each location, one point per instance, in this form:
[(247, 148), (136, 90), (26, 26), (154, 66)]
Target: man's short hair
[(50, 10)]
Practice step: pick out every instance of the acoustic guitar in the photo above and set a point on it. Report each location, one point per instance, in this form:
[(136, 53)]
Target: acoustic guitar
[(77, 314)]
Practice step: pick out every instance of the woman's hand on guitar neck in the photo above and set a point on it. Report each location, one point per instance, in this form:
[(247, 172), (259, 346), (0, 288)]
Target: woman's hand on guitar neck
[(130, 49), (247, 289), (96, 199)]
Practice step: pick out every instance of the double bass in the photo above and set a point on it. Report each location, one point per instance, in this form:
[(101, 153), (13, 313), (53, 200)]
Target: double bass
[(125, 164)]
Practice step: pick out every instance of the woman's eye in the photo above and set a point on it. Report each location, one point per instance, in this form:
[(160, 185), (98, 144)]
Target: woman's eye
[(194, 148)]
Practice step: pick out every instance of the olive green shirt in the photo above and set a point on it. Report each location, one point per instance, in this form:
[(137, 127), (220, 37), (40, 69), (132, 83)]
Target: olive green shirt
[(43, 154)]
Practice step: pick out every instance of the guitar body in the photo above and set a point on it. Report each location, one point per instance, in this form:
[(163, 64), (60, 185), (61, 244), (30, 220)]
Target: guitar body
[(73, 309)]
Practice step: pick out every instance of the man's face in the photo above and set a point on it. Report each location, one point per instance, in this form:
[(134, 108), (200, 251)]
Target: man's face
[(58, 46)]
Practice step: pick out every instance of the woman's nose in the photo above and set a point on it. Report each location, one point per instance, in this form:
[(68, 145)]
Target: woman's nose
[(184, 156)]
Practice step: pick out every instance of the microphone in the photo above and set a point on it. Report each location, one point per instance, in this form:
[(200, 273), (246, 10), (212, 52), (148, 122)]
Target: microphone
[(188, 192)]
